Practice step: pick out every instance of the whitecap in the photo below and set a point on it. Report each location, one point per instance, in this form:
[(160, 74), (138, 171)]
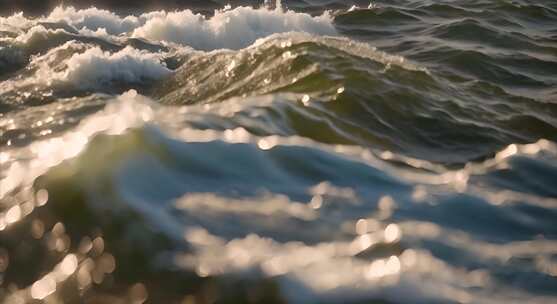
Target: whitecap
[(89, 67), (94, 19), (95, 67), (227, 29), (232, 29)]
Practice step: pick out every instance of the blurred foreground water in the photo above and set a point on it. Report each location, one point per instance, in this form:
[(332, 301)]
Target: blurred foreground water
[(316, 152)]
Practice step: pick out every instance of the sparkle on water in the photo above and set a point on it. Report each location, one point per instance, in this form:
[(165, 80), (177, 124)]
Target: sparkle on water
[(368, 254)]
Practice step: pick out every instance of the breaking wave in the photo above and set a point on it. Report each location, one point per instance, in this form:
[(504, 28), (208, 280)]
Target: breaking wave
[(226, 29)]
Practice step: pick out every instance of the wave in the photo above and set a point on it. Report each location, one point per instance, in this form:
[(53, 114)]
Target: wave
[(95, 19), (95, 68), (303, 65), (307, 189), (234, 29), (278, 63), (208, 156), (229, 29), (226, 29), (74, 67), (299, 66)]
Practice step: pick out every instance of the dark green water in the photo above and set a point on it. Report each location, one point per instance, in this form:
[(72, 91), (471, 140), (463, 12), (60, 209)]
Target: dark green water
[(403, 152)]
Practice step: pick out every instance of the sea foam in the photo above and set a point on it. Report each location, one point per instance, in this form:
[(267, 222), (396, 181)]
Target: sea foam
[(95, 67), (232, 29), (89, 67), (94, 19), (226, 29)]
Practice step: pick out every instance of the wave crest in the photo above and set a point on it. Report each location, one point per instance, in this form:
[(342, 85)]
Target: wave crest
[(226, 29), (95, 67), (80, 66), (233, 29)]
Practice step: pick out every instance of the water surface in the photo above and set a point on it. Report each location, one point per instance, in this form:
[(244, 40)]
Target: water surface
[(312, 152)]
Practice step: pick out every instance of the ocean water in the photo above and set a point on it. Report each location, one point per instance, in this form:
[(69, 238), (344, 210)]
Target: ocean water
[(402, 151)]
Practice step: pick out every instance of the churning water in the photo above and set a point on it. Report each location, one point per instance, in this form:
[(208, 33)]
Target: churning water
[(312, 152)]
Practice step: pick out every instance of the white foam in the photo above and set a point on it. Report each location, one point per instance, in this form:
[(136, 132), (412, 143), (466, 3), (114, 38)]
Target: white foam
[(95, 67), (226, 29), (14, 22), (37, 32), (94, 19), (231, 29), (90, 67), (99, 33)]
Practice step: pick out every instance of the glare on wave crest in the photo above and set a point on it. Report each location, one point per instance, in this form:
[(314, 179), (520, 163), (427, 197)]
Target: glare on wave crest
[(335, 272), (132, 110), (127, 112), (339, 267)]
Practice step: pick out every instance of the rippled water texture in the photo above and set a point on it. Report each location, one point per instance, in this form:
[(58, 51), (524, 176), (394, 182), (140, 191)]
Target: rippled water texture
[(307, 152)]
